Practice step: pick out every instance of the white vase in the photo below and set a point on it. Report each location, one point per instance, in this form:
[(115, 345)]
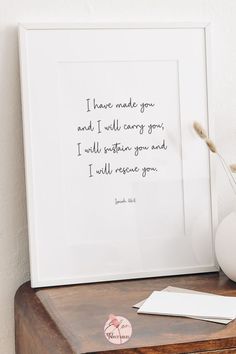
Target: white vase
[(225, 245)]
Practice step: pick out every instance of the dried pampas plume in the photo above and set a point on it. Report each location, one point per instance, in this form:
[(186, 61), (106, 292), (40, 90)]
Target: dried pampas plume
[(199, 130), (228, 169), (211, 145), (203, 135), (233, 167)]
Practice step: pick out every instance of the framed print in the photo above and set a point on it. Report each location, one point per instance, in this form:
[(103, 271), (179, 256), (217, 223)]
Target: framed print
[(118, 184)]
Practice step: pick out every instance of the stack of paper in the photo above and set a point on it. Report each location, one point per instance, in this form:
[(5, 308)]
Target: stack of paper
[(188, 303)]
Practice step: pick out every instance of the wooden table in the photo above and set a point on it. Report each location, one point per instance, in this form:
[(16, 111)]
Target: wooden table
[(71, 319)]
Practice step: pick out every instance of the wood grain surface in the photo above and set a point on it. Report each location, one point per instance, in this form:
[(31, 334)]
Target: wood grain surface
[(70, 319)]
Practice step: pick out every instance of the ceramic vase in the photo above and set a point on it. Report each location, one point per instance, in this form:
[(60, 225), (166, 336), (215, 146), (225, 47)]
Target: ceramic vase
[(225, 245)]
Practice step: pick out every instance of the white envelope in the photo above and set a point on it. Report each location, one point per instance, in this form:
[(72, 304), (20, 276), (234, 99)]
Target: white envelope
[(188, 303)]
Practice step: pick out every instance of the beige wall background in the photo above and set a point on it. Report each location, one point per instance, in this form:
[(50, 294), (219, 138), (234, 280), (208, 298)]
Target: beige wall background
[(14, 264)]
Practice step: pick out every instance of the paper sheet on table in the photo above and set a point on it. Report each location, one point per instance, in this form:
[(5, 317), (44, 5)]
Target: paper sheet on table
[(182, 290), (185, 304)]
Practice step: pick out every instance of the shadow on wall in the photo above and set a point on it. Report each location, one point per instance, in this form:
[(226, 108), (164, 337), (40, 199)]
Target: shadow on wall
[(14, 263)]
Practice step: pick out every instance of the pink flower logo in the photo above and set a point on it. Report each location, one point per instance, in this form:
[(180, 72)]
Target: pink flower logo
[(117, 329)]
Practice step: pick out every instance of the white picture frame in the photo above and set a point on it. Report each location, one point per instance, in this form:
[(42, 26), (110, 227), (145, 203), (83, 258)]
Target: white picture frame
[(159, 224)]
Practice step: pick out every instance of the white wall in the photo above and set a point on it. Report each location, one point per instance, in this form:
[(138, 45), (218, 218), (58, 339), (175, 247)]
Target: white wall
[(14, 266)]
